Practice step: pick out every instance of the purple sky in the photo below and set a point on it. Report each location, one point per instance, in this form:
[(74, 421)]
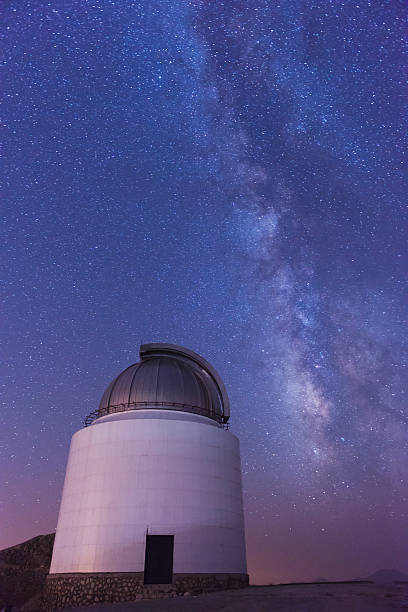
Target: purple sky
[(230, 177)]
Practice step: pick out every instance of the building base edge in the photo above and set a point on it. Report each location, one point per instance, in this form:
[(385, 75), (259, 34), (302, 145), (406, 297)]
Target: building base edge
[(74, 590)]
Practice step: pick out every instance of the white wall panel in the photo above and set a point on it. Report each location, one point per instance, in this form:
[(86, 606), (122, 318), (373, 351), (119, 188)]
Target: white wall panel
[(176, 476)]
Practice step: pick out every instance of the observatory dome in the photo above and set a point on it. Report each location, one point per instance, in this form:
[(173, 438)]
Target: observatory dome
[(167, 377)]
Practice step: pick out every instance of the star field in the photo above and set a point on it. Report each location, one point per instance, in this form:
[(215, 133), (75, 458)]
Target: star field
[(230, 177)]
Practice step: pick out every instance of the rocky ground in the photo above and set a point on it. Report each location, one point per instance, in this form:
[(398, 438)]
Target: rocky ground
[(327, 597), (23, 569)]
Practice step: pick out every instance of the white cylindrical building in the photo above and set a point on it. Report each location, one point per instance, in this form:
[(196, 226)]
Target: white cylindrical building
[(152, 492)]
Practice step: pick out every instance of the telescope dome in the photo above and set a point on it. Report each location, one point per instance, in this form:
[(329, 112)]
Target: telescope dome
[(167, 377)]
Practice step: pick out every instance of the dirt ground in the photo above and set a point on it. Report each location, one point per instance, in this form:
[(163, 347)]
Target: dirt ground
[(330, 597)]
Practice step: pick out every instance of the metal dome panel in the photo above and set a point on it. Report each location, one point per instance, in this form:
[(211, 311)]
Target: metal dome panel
[(169, 377), (118, 391)]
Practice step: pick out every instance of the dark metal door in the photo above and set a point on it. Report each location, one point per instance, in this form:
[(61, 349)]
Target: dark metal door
[(159, 559)]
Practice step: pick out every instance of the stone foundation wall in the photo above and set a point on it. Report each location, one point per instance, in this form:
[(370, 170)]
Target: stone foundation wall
[(73, 590)]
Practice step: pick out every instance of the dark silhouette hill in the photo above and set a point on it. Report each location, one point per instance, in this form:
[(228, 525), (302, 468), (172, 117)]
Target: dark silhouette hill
[(23, 569), (388, 576)]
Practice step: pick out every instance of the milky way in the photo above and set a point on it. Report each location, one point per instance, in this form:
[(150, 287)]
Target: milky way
[(231, 177)]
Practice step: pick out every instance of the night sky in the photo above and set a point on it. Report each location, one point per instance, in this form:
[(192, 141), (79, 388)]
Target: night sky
[(232, 177)]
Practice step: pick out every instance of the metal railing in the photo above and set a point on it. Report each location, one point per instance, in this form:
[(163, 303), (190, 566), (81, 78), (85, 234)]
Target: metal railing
[(101, 412)]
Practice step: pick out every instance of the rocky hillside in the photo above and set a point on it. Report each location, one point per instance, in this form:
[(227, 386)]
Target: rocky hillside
[(387, 576), (23, 569)]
